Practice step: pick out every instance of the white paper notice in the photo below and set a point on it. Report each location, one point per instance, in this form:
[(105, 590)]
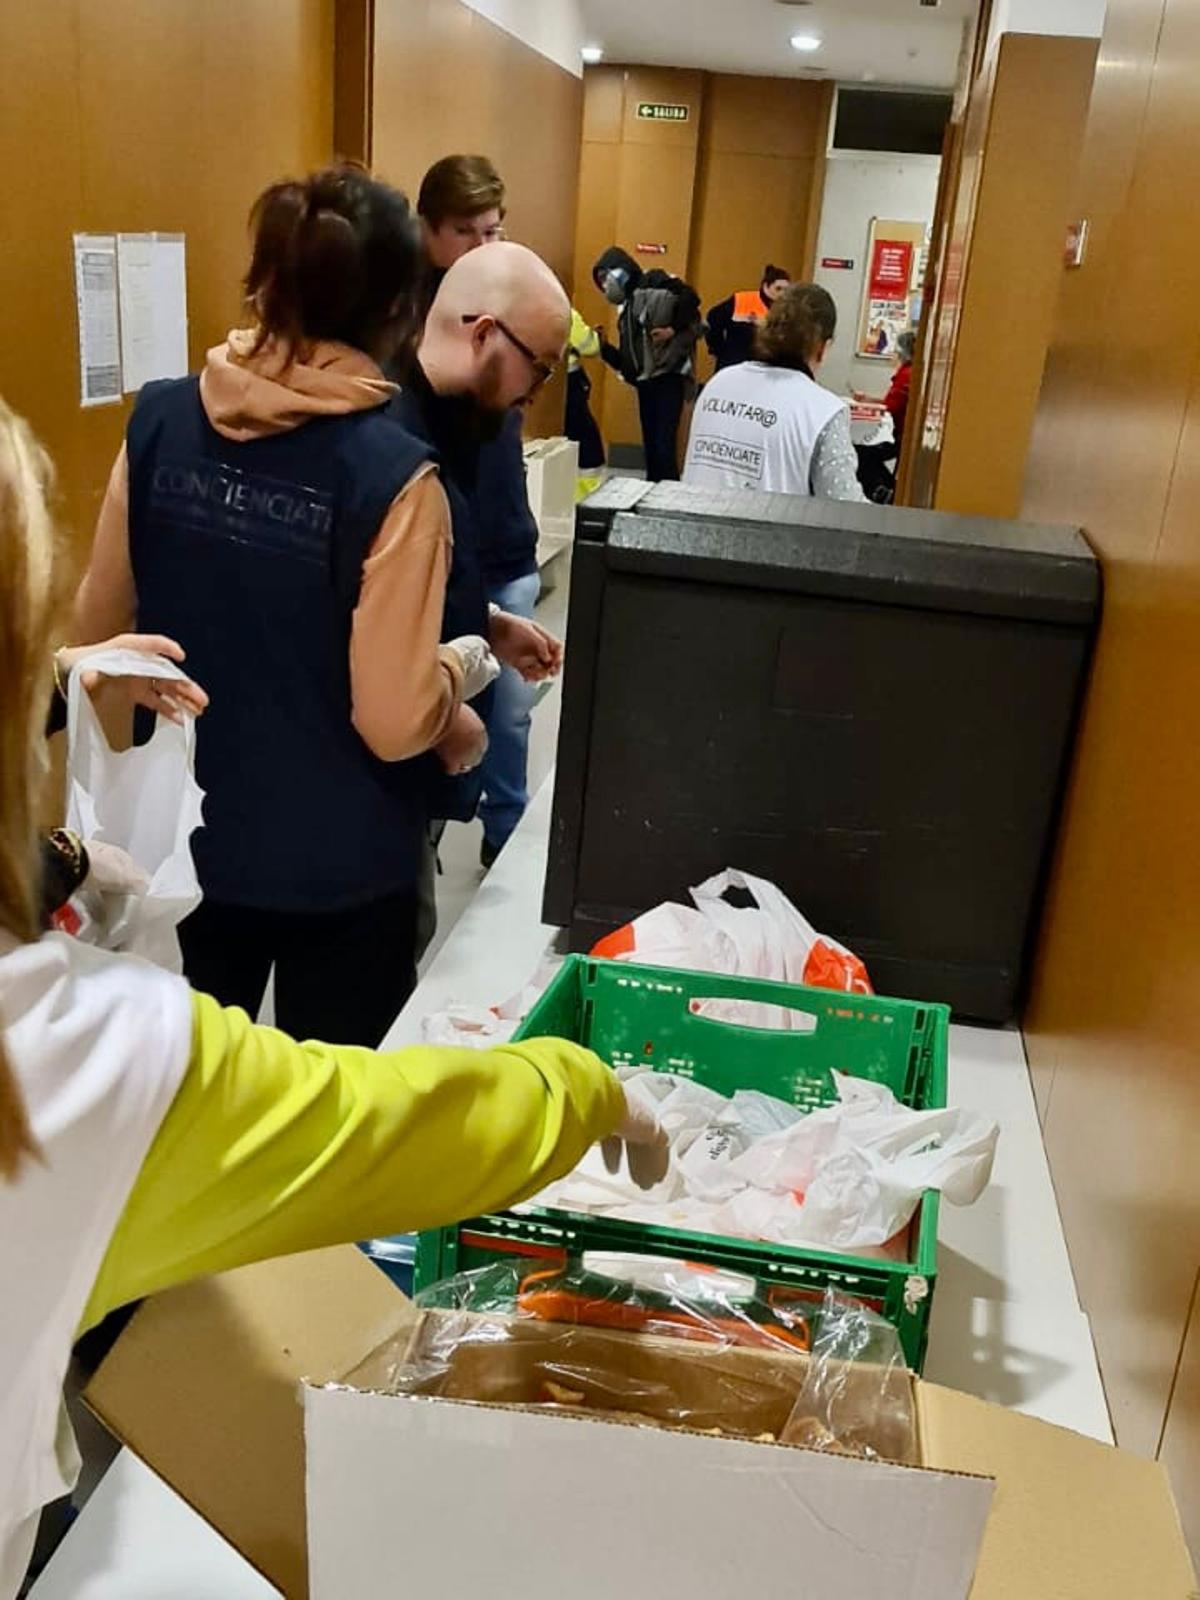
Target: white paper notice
[(153, 296), (170, 305), (96, 301), (135, 256)]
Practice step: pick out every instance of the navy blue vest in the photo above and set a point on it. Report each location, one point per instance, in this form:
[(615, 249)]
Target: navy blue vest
[(250, 554), (432, 419)]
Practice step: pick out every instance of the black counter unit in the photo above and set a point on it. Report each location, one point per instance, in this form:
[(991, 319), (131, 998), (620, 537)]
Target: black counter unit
[(873, 707)]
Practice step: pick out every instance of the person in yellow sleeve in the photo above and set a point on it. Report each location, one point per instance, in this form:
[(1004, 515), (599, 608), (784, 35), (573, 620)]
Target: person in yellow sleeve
[(148, 1136), (583, 342)]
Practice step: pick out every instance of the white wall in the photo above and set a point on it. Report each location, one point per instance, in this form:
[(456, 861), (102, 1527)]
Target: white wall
[(1080, 19), (858, 187), (553, 28)]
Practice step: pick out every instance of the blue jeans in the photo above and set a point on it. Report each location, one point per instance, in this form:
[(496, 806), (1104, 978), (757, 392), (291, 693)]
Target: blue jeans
[(505, 767)]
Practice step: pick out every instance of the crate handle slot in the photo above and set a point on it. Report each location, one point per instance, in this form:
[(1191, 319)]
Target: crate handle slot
[(756, 1016)]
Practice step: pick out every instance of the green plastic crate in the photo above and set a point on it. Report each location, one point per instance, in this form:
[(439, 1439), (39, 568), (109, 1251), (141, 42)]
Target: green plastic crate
[(643, 1015)]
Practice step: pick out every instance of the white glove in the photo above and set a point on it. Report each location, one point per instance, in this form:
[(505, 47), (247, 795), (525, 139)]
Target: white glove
[(643, 1140), (479, 665), (113, 871)]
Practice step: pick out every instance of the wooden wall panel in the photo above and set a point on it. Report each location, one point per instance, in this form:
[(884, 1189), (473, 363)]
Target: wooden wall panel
[(596, 216), (603, 105), (751, 209), (149, 116), (1113, 1024), (636, 184), (353, 79), (935, 262), (673, 85), (654, 203), (760, 180), (1012, 270), (41, 204), (917, 467), (1119, 99), (943, 315), (773, 116), (595, 230), (736, 185), (446, 79)]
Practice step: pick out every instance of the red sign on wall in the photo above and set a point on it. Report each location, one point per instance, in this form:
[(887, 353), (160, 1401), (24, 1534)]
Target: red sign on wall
[(891, 269)]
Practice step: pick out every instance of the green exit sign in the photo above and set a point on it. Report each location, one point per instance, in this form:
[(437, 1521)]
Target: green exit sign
[(658, 111)]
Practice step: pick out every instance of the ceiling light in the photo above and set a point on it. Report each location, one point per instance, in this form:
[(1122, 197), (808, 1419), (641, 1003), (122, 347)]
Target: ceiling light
[(805, 42), (592, 53)]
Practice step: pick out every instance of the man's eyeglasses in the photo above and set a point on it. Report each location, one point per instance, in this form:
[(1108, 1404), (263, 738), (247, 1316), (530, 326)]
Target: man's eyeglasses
[(543, 371)]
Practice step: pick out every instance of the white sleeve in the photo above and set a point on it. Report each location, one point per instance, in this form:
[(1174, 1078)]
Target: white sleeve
[(833, 473)]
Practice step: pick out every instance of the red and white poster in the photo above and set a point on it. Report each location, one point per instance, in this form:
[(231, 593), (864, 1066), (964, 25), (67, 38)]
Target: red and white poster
[(887, 294), (891, 269)]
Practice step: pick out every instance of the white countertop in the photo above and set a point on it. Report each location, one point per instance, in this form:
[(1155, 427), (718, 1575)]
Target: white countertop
[(1006, 1321)]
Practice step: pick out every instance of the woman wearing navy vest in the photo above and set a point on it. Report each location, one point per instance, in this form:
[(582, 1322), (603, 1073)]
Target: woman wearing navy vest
[(295, 538)]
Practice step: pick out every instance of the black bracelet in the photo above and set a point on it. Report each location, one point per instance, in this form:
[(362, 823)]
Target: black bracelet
[(65, 865)]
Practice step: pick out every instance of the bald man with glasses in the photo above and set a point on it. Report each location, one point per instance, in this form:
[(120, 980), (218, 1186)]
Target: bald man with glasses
[(494, 334), (462, 206)]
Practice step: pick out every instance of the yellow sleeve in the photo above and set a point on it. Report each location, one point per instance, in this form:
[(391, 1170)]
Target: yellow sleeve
[(584, 340), (271, 1147)]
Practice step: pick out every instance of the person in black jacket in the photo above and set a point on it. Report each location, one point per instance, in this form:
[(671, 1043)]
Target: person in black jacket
[(732, 324), (657, 330), (461, 206)]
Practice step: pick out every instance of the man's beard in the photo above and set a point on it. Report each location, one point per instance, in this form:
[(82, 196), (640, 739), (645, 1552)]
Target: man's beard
[(475, 423)]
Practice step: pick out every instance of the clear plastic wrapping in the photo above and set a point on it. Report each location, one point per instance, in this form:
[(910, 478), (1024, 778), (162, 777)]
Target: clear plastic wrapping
[(857, 1396), (661, 1344)]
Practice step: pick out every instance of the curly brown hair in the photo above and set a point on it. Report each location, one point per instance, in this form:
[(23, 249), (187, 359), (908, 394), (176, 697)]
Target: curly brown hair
[(798, 326)]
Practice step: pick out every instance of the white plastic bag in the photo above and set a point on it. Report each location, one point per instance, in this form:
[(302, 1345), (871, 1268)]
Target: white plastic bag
[(466, 1028), (846, 1177), (478, 1028), (769, 939), (145, 801), (773, 939)]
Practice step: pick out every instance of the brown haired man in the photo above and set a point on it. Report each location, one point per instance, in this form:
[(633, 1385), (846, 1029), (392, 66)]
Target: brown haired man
[(461, 206)]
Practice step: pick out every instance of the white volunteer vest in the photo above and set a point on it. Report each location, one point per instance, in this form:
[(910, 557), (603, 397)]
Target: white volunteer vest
[(100, 1044), (755, 427)]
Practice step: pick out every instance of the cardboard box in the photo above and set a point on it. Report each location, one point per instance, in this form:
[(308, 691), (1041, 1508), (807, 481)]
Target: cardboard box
[(614, 1505), (449, 1497), (551, 468)]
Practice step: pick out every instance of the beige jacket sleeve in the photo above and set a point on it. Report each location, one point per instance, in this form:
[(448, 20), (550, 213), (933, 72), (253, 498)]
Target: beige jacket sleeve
[(406, 688)]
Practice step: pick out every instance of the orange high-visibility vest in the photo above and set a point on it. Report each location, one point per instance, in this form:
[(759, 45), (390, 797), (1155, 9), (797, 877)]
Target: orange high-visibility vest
[(749, 306)]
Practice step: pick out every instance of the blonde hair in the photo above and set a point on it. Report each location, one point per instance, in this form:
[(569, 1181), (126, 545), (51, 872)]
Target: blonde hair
[(27, 603)]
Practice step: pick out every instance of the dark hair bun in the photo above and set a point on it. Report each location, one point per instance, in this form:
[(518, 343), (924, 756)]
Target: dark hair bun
[(335, 257)]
